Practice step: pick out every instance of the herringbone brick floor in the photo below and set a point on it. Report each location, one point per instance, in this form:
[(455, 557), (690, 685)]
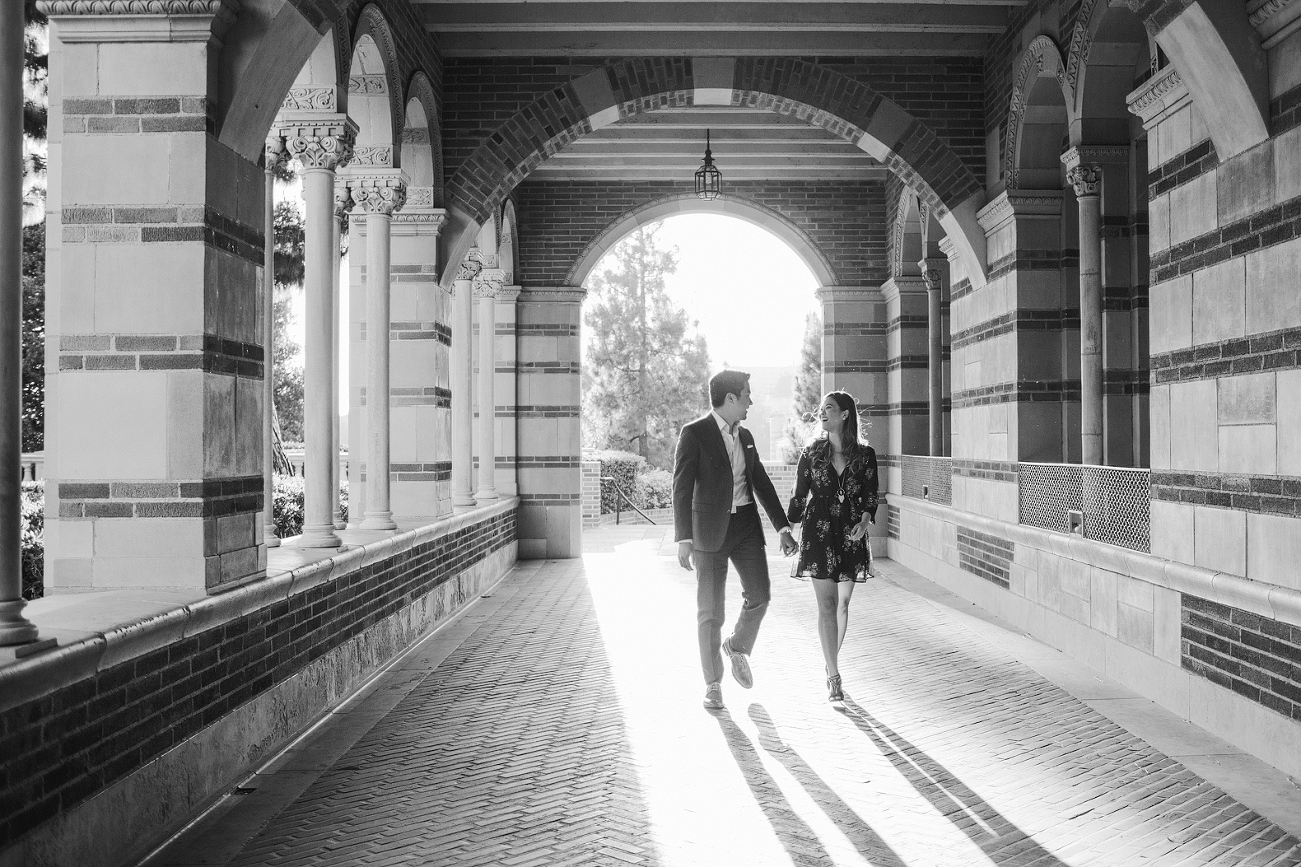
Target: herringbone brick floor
[(559, 722)]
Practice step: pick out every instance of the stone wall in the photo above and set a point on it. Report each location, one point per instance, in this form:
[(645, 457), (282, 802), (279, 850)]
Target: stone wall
[(114, 740)]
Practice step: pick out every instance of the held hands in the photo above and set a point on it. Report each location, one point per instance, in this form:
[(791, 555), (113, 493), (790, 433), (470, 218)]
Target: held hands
[(788, 543), (860, 529), (684, 555)]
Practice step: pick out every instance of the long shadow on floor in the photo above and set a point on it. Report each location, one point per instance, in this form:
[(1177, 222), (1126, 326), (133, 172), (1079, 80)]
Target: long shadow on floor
[(1001, 840), (868, 843), (797, 838)]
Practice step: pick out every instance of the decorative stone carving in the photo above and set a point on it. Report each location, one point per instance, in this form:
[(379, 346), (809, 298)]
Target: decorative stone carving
[(415, 135), (1161, 94), (311, 99), (1086, 178), (157, 20), (420, 197), (343, 200), (1077, 56), (932, 276), (373, 155), (558, 295), (367, 84), (489, 282), (472, 265), (224, 10), (276, 155), (325, 144), (379, 193)]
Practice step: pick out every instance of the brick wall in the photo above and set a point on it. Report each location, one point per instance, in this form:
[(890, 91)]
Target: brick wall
[(62, 748), (558, 220), (1256, 657)]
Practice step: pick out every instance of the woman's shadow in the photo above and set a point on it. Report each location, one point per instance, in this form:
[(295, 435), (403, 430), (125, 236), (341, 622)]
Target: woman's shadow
[(797, 837), (994, 833)]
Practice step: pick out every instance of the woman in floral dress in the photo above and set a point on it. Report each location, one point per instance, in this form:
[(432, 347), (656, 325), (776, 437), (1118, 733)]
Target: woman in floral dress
[(836, 496)]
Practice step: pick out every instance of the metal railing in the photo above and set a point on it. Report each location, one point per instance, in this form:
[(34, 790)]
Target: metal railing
[(1106, 504), (927, 478), (624, 498)]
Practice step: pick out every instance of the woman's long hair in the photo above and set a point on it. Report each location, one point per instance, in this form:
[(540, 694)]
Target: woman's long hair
[(849, 431)]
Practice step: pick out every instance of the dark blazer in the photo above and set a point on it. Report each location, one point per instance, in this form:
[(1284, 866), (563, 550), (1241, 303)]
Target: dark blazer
[(702, 485)]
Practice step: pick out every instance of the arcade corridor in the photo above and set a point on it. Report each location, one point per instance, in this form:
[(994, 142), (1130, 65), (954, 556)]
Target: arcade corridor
[(558, 722)]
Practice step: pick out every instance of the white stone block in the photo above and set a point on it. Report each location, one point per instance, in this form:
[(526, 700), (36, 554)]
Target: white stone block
[(136, 178), (1249, 448), (1247, 399), (1287, 164), (1166, 624), (1174, 135), (1219, 301), (1220, 540), (113, 425), (1274, 550), (1288, 411), (1194, 432), (1172, 526), (1159, 403), (1193, 208), (1103, 601), (1274, 286), (1159, 223), (153, 69), (150, 288), (1171, 315), (152, 537), (150, 572)]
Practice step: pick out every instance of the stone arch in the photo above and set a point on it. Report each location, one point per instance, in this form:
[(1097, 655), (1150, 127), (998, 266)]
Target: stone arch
[(687, 203), (905, 237), (421, 144), (374, 91), (822, 97), (1108, 47), (1038, 119)]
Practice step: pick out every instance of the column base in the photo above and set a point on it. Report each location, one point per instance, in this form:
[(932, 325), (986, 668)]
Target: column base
[(486, 497), (378, 521), (339, 523), (269, 536), (15, 652), (462, 508), (319, 536), (15, 629)]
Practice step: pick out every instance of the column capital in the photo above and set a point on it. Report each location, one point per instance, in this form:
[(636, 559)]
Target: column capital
[(933, 272), (378, 191), (488, 283), (1086, 178), (343, 200), (276, 154), (317, 140), (141, 20), (470, 267), (1007, 206)]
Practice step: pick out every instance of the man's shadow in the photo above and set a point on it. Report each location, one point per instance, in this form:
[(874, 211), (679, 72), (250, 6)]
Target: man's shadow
[(994, 833), (797, 837)]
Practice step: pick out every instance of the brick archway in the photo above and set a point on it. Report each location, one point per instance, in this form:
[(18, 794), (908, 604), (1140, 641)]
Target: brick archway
[(687, 203), (821, 97)]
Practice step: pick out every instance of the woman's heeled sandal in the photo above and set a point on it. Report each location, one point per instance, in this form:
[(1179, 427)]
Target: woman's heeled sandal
[(834, 692)]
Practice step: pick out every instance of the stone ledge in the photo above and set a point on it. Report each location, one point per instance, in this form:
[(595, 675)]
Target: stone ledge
[(1269, 600), (97, 630)]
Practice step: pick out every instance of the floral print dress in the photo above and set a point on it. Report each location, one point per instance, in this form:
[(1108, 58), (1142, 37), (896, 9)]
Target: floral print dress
[(830, 505)]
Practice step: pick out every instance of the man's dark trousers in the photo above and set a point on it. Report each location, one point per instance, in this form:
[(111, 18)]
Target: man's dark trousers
[(744, 546)]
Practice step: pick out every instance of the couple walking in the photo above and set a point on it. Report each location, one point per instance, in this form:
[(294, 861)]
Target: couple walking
[(717, 478)]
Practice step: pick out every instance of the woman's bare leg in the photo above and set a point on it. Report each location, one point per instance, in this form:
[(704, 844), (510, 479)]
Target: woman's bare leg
[(845, 589), (825, 591)]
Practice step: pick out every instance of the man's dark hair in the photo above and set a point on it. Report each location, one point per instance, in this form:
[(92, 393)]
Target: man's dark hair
[(726, 382)]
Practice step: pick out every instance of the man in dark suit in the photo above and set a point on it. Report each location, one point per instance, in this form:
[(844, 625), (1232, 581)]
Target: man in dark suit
[(717, 476)]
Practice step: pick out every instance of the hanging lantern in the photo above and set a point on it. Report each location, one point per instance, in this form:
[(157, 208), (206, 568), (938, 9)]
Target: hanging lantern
[(709, 180)]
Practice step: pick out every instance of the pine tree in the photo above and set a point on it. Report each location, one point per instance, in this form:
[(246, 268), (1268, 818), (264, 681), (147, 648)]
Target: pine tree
[(647, 373), (806, 391)]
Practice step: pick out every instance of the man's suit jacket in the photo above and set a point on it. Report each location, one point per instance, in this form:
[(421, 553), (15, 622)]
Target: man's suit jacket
[(702, 484)]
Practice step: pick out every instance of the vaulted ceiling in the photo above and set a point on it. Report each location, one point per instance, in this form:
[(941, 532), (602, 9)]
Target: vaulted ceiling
[(747, 144)]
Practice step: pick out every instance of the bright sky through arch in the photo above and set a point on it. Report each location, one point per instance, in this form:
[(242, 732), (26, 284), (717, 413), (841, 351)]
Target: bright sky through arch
[(748, 290)]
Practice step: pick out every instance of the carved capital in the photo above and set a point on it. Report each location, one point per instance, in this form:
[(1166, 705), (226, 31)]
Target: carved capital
[(1086, 178), (472, 265), (343, 200), (378, 192), (933, 273), (313, 98), (320, 143), (489, 282), (276, 155)]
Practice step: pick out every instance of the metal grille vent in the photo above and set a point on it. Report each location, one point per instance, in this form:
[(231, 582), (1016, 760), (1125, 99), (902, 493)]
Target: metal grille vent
[(1114, 501)]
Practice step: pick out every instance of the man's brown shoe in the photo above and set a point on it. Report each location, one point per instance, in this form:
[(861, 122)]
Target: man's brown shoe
[(714, 696), (740, 665)]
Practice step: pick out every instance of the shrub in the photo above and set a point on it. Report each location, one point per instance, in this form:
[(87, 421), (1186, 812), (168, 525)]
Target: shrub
[(624, 468), (288, 512), (32, 542), (655, 489)]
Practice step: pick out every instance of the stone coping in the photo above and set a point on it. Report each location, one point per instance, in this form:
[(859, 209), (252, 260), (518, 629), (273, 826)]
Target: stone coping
[(1267, 600), (99, 629)]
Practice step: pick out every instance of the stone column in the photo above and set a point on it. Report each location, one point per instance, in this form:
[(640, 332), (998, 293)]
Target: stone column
[(343, 204), (906, 362), (486, 286), (275, 157), (933, 274), (463, 382), (154, 362), (1086, 178), (378, 194), (320, 144), (14, 627), (420, 418), (507, 387), (548, 336)]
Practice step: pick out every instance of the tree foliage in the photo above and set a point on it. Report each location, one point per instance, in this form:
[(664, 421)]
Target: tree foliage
[(36, 107), (288, 381), (806, 391), (33, 435), (647, 372)]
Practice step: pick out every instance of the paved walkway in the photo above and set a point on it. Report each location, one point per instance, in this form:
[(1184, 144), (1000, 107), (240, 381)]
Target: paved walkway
[(559, 722)]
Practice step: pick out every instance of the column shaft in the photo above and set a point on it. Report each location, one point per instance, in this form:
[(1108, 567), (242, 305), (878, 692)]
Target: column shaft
[(379, 515), (1091, 329), (487, 396), (318, 511), (935, 358), (274, 153), (342, 203), (462, 400), (14, 628)]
